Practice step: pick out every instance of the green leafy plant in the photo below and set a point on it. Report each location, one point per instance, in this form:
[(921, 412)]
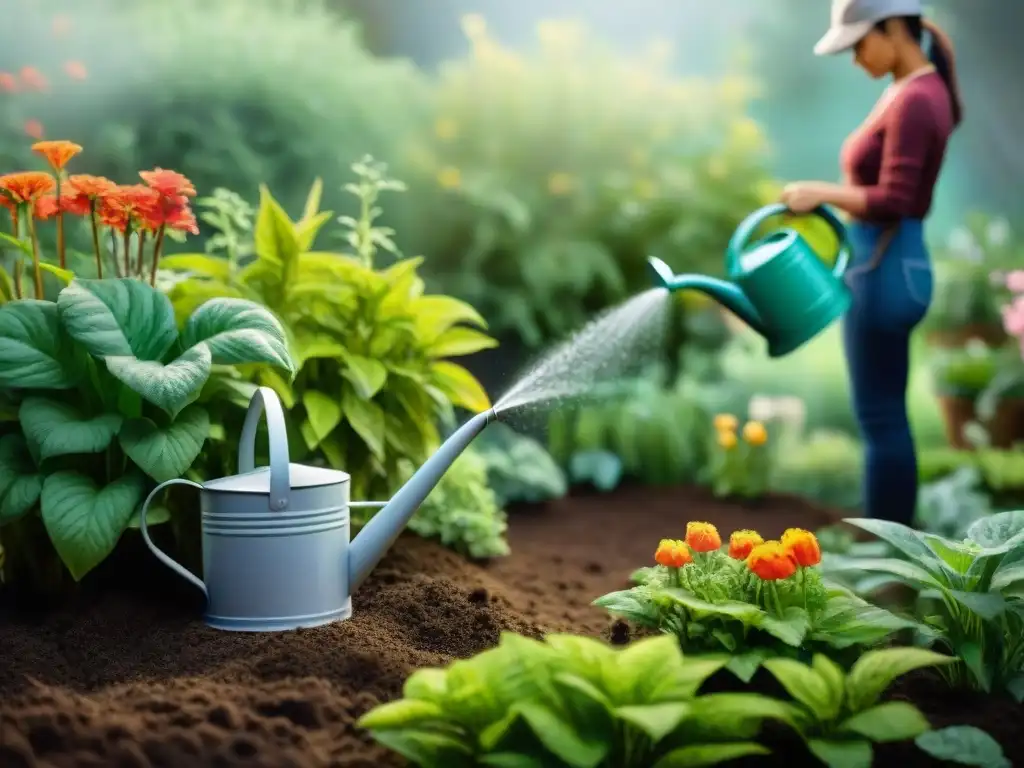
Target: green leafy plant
[(963, 745), (825, 467), (972, 590), (371, 349), (106, 386), (756, 602), (519, 469), (546, 206), (571, 701), (964, 303), (840, 714), (948, 507), (739, 465), (462, 512)]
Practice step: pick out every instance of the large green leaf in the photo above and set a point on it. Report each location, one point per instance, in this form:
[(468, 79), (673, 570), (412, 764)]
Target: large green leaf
[(238, 331), (875, 671), (805, 685), (367, 419), (699, 755), (999, 531), (20, 481), (118, 318), (835, 753), (60, 429), (170, 387), (34, 351), (460, 386), (85, 522), (436, 314), (963, 745), (889, 721), (202, 264), (323, 414), (274, 235), (367, 375), (164, 453), (459, 341)]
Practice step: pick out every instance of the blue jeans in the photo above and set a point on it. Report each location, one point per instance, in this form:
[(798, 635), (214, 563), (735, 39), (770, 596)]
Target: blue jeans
[(888, 302)]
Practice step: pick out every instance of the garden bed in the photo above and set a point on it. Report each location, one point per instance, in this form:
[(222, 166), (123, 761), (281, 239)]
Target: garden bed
[(135, 679)]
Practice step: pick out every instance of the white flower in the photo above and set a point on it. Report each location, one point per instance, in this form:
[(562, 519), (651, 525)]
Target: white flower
[(761, 408), (997, 233)]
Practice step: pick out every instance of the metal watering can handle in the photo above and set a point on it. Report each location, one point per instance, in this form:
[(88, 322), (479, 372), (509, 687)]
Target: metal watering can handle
[(159, 553), (265, 401), (749, 225)]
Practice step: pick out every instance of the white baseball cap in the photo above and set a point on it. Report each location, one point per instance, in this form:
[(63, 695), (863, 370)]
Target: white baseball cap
[(853, 19)]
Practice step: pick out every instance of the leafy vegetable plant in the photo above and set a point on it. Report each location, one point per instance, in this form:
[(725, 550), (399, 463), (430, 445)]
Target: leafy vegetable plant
[(740, 465), (758, 599), (105, 387), (571, 701), (839, 714), (371, 349), (973, 591), (519, 469)]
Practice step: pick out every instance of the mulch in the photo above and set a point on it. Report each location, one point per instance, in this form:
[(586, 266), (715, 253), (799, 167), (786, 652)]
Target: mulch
[(131, 678)]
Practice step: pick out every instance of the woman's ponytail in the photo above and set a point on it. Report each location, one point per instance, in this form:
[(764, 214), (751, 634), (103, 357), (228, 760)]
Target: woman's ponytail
[(941, 54)]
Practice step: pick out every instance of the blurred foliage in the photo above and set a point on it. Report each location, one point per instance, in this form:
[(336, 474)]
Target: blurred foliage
[(949, 505), (519, 468), (964, 372), (826, 467), (233, 93), (369, 346), (1002, 472), (462, 512), (963, 296), (553, 176)]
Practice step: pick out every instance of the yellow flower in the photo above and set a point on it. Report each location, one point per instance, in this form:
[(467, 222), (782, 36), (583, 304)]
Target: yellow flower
[(446, 129), (727, 439), (449, 177), (755, 433), (560, 183), (474, 26), (726, 422)]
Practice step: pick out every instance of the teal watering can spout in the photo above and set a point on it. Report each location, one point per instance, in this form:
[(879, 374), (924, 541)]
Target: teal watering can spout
[(377, 536), (725, 293), (778, 285)]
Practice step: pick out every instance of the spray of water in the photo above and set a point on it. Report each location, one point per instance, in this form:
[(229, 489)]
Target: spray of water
[(615, 345)]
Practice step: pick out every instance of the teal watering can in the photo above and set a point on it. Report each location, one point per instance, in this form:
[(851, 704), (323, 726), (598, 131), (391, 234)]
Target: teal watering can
[(777, 285)]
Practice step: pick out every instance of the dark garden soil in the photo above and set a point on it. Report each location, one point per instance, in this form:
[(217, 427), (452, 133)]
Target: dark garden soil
[(134, 680)]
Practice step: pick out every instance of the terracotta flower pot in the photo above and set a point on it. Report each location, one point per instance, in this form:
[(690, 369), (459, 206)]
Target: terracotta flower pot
[(956, 338), (957, 412), (1005, 428)]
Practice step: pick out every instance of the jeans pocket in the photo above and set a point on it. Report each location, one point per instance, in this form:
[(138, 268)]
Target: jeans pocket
[(917, 275)]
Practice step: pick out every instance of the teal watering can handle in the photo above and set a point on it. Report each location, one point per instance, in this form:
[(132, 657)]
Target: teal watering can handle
[(747, 228), (265, 401), (160, 554)]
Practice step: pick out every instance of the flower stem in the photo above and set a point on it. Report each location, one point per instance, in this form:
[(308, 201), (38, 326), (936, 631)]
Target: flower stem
[(61, 248), (157, 247), (776, 599), (139, 257), (126, 242), (96, 238), (19, 268), (37, 273)]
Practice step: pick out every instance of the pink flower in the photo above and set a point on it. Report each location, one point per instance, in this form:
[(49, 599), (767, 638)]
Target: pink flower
[(1015, 281), (1013, 318)]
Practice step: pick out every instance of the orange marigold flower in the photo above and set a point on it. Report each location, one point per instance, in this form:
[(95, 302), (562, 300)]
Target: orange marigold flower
[(57, 153), (125, 205), (755, 433), (771, 561), (90, 187), (702, 537), (75, 70), (168, 183), (8, 82), (34, 129), (673, 553), (25, 187), (803, 545), (742, 542), (726, 422), (33, 79), (45, 207)]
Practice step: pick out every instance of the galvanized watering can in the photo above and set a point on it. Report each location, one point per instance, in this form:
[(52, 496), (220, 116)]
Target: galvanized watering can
[(276, 549), (778, 286)]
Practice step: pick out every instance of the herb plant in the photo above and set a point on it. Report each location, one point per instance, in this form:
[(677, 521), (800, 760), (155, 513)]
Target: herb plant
[(839, 714), (571, 702), (106, 386), (370, 347), (756, 600), (973, 590)]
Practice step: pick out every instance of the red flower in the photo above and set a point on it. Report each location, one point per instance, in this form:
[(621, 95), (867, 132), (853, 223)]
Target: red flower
[(33, 79), (75, 70), (168, 183), (89, 187), (183, 220), (34, 129), (8, 82)]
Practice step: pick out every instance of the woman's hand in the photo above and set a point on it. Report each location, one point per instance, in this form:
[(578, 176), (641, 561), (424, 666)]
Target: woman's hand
[(803, 196)]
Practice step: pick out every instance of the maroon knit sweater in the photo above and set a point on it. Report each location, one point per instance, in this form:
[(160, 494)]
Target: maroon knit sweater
[(896, 156)]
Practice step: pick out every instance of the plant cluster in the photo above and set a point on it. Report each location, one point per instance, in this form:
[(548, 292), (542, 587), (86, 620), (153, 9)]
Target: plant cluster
[(573, 701), (971, 590), (549, 204), (754, 600), (519, 469), (100, 386), (740, 465)]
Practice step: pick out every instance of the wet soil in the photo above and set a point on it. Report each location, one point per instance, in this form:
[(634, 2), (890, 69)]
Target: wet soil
[(133, 679)]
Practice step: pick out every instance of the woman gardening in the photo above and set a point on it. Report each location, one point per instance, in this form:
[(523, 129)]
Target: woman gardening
[(890, 167)]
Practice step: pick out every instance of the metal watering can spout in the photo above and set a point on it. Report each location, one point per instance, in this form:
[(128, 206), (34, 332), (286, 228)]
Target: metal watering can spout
[(778, 285), (377, 536)]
